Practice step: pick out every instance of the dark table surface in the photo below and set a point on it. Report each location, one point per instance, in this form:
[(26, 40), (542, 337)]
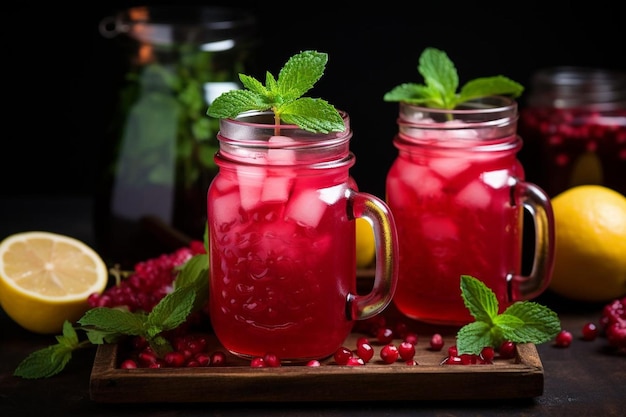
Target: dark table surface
[(585, 379)]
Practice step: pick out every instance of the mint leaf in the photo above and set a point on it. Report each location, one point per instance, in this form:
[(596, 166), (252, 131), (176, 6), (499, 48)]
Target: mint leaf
[(473, 337), (114, 320), (49, 361), (299, 74), (195, 274), (315, 115), (439, 74), (283, 96), (479, 299), (44, 363), (441, 83), (521, 322), (171, 311), (539, 323)]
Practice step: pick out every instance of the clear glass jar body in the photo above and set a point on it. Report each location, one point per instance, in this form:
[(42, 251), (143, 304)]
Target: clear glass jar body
[(574, 129), (281, 216), (457, 192), (159, 160)]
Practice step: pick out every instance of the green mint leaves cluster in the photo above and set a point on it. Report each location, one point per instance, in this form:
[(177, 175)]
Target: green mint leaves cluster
[(441, 84), (109, 325), (284, 96), (522, 322)]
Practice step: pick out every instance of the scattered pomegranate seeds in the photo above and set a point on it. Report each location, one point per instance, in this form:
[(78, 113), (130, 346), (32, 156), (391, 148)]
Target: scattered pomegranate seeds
[(342, 355), (563, 339), (365, 351), (590, 331), (389, 353), (436, 342), (406, 351), (507, 350)]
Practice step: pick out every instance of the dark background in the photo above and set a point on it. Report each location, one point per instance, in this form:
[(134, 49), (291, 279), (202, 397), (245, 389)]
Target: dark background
[(60, 75)]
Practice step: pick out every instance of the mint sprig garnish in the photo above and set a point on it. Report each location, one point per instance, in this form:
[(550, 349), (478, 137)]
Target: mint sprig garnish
[(284, 96), (441, 82), (109, 325), (521, 322)]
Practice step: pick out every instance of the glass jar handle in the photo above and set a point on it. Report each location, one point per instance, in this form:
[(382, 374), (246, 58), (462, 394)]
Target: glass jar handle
[(370, 207), (537, 202)]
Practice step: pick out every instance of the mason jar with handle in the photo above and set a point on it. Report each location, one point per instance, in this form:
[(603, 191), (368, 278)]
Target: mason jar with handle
[(458, 194), (281, 217)]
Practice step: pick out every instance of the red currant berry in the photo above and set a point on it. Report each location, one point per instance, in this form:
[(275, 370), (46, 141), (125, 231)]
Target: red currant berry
[(590, 331), (436, 342), (389, 353), (563, 339)]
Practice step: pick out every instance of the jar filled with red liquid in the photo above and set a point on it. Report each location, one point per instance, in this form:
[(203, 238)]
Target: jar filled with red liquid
[(574, 129), (281, 215), (458, 194)]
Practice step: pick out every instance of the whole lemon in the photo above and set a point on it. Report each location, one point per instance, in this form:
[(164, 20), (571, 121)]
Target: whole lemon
[(365, 243), (590, 248)]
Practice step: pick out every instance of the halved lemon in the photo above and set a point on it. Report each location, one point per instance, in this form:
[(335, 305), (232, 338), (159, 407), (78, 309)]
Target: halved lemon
[(46, 278)]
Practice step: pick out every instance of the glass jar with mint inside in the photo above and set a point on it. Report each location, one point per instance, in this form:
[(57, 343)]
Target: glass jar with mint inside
[(160, 145)]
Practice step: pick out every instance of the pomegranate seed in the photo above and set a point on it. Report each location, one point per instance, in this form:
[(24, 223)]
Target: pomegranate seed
[(563, 339), (436, 342), (257, 362), (406, 351), (313, 363), (507, 350), (128, 364), (487, 354), (411, 362), (204, 359), (400, 330), (342, 355), (590, 331), (389, 353), (192, 363), (452, 360), (411, 337), (362, 340), (384, 335), (355, 361), (147, 358), (175, 359), (218, 358), (271, 360), (365, 351), (453, 351)]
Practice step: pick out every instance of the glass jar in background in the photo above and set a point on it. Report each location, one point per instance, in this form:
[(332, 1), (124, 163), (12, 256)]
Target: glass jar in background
[(574, 128), (152, 195)]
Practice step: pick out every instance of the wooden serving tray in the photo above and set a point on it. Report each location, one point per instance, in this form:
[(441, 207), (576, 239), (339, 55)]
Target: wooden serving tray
[(521, 377)]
